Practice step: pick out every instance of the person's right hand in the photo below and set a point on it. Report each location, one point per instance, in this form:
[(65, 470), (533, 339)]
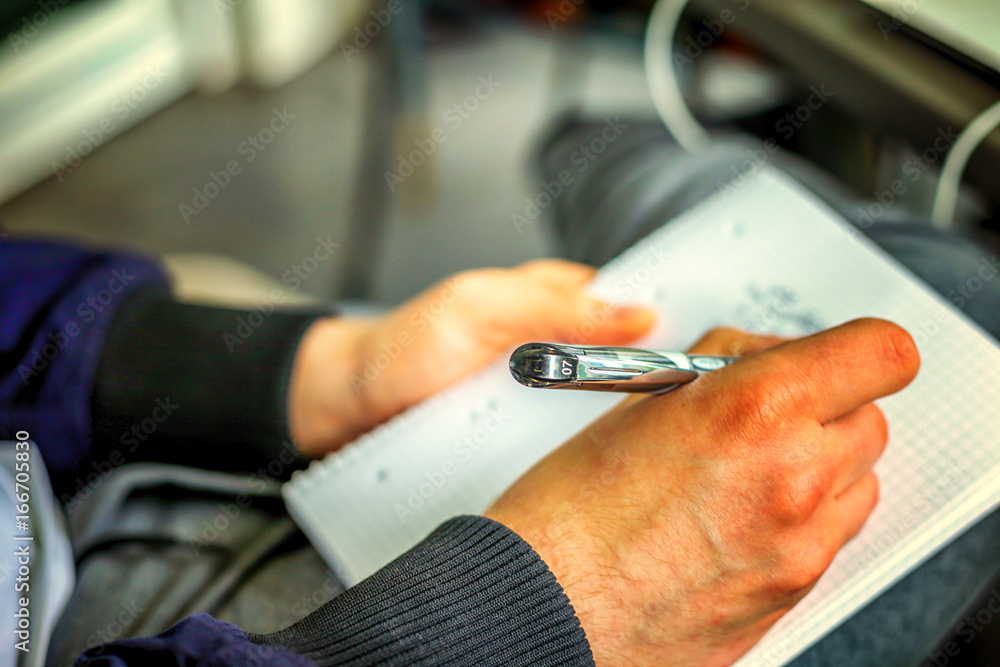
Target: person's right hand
[(683, 526)]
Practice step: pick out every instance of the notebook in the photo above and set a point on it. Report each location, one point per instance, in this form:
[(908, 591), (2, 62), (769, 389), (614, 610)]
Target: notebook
[(767, 256)]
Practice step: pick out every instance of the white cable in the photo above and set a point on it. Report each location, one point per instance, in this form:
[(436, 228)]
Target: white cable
[(662, 79), (946, 197)]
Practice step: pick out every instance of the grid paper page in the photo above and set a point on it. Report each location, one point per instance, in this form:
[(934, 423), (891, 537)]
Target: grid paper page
[(766, 258)]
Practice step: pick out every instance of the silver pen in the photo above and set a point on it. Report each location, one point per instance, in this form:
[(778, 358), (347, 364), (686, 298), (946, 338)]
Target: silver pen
[(622, 369)]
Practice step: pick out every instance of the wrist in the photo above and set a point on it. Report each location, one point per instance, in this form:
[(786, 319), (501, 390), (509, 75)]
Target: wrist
[(567, 539), (324, 410)]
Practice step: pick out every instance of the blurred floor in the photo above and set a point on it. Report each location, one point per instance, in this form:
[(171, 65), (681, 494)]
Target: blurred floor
[(299, 186)]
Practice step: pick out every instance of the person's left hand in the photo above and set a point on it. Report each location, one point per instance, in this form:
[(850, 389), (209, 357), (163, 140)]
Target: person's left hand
[(351, 374)]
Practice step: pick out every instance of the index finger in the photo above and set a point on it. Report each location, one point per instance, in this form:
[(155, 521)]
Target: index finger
[(831, 373), (729, 342)]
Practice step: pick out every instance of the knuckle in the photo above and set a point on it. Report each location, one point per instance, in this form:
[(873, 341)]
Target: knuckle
[(790, 390), (769, 402), (740, 414), (796, 495), (745, 415), (803, 568), (763, 411)]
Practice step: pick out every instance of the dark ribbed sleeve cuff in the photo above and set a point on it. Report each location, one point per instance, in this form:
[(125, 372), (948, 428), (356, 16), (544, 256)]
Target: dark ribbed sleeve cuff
[(197, 385), (472, 593)]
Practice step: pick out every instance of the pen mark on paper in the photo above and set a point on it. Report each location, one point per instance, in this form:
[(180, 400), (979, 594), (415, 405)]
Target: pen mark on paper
[(776, 309)]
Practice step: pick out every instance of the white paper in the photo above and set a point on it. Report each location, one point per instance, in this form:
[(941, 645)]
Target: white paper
[(768, 257)]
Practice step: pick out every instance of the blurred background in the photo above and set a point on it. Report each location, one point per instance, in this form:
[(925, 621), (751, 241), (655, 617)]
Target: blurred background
[(95, 146), (118, 119), (235, 138)]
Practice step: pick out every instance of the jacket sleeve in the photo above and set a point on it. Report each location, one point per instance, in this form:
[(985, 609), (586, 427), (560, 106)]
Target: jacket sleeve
[(102, 367), (472, 593), (56, 305)]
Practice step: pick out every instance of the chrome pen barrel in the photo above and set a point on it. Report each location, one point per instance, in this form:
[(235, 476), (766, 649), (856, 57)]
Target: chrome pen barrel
[(582, 367)]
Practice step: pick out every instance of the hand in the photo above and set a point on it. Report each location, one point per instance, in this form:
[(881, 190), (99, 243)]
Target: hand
[(352, 374), (683, 526)]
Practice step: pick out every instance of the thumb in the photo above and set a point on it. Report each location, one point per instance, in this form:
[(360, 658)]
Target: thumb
[(581, 319), (546, 301), (597, 322)]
